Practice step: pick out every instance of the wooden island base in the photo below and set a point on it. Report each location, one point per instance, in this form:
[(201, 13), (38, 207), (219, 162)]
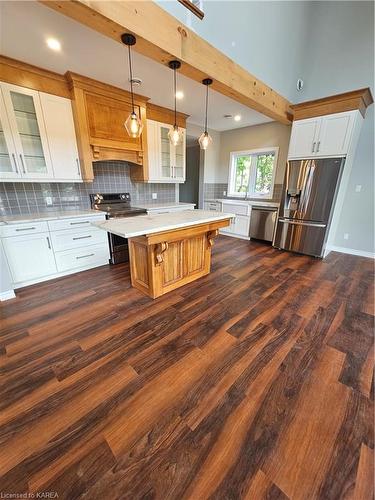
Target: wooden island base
[(161, 262)]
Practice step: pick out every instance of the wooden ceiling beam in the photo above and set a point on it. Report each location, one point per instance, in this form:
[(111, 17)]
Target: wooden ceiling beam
[(162, 37)]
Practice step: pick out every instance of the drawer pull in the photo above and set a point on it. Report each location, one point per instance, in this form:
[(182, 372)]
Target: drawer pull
[(84, 256), (82, 222), (26, 229), (82, 237), (49, 243)]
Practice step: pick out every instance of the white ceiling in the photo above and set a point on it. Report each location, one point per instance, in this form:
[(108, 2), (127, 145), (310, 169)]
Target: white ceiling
[(25, 26)]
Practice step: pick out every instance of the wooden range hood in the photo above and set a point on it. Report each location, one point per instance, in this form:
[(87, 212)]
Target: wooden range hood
[(100, 111)]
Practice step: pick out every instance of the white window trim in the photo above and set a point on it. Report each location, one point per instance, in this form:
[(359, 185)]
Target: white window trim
[(232, 172)]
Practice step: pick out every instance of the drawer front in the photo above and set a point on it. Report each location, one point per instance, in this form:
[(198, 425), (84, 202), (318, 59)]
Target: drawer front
[(82, 257), (212, 206), (74, 223), (76, 238), (23, 229), (237, 209)]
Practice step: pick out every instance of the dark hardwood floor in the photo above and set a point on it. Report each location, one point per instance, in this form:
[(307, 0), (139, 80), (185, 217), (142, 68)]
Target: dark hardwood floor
[(254, 382)]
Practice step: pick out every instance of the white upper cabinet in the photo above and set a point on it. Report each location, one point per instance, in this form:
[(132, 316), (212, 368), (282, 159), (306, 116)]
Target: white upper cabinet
[(323, 136), (58, 119), (28, 131), (335, 134), (167, 163), (304, 137), (37, 137)]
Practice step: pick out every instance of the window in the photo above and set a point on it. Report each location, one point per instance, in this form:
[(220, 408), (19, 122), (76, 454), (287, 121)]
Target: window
[(252, 173)]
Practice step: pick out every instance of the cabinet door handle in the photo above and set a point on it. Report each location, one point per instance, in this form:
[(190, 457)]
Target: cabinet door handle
[(49, 243), (23, 164), (82, 222), (318, 147), (78, 168), (313, 147), (82, 237), (84, 256), (26, 228), (15, 163)]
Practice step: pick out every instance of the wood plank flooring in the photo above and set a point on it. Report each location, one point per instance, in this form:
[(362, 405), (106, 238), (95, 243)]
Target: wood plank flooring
[(253, 382)]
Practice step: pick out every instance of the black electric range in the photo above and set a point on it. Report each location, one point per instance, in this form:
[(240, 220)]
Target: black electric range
[(116, 205)]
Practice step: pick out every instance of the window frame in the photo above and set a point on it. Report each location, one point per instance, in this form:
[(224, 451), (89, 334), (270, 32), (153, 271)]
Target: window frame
[(232, 173)]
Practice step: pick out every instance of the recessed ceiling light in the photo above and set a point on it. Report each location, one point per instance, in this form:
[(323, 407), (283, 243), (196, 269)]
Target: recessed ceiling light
[(54, 44), (179, 94), (237, 118)]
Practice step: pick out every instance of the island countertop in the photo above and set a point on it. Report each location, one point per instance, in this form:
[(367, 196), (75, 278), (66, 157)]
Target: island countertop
[(130, 227)]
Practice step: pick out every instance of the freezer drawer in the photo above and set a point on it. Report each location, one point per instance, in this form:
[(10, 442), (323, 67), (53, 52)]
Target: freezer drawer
[(302, 237), (262, 223)]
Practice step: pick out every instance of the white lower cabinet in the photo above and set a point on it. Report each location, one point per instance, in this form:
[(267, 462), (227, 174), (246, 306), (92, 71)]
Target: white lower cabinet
[(241, 223), (30, 256), (37, 251), (92, 255)]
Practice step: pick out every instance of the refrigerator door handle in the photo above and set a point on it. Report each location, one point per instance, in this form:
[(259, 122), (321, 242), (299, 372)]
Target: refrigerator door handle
[(298, 223)]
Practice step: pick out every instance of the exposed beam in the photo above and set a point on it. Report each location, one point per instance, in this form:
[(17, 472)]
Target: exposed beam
[(161, 37)]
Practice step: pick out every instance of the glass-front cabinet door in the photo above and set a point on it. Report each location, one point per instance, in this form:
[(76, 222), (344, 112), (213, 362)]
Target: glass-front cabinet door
[(27, 125), (8, 160), (179, 160), (166, 153)]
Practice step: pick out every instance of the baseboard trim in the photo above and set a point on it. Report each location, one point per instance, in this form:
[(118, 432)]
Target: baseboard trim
[(9, 294), (351, 251)]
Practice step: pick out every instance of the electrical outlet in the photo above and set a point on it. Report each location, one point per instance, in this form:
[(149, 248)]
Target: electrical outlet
[(346, 236), (48, 201), (224, 193), (358, 188), (154, 196)]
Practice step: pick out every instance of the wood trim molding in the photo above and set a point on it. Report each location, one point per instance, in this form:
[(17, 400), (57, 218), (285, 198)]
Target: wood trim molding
[(356, 99), (162, 37), (165, 115), (32, 77)]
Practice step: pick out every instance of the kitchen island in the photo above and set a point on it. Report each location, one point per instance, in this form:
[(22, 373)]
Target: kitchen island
[(170, 250)]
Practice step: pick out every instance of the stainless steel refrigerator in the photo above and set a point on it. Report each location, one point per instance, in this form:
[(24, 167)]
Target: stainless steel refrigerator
[(308, 197)]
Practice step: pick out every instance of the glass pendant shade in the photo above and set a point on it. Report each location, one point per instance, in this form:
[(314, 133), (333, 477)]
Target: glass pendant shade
[(205, 140), (133, 125), (175, 135)]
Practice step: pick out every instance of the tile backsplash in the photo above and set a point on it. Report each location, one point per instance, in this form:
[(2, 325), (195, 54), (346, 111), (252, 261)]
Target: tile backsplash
[(215, 190), (110, 177)]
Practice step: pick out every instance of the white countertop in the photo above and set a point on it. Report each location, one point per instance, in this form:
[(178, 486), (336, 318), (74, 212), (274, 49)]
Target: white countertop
[(57, 214), (161, 206), (149, 224), (241, 201)]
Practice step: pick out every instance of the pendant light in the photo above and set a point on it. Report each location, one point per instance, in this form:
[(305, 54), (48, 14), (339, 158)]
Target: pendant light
[(175, 133), (205, 139), (133, 124)]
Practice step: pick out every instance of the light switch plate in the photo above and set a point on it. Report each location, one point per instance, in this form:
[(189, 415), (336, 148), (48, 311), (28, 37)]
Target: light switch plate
[(154, 196), (358, 188), (346, 236)]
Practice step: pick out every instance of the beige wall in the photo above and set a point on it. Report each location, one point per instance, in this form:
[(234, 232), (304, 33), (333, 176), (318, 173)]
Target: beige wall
[(255, 137)]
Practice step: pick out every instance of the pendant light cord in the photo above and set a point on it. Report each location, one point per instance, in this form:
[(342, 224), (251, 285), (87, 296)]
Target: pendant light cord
[(131, 77), (205, 123), (175, 98)]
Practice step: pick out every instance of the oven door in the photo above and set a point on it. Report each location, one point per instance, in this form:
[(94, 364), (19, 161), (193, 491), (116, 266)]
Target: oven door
[(119, 250)]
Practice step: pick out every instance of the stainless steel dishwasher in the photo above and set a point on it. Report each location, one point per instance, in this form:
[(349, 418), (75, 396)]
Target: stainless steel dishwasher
[(262, 222)]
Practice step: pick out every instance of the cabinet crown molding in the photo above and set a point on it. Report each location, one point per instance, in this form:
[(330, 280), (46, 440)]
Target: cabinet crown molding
[(359, 99), (105, 89)]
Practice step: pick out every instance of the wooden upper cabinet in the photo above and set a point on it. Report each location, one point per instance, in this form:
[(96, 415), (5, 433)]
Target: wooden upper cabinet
[(100, 111)]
